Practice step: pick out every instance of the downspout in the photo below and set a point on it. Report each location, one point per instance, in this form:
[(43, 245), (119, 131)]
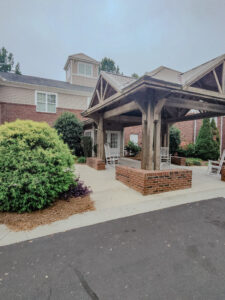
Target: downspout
[(195, 126)]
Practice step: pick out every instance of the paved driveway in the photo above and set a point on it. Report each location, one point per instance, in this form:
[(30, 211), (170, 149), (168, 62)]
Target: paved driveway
[(175, 253)]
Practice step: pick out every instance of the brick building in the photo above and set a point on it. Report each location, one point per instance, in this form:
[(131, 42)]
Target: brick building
[(41, 99)]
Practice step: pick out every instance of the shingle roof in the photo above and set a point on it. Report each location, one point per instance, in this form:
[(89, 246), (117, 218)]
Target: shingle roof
[(165, 74), (119, 82), (188, 77), (82, 57), (11, 77)]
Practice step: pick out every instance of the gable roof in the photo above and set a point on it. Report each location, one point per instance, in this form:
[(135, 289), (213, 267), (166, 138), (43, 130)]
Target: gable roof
[(117, 81), (166, 74), (199, 71), (188, 77), (81, 57), (15, 78)]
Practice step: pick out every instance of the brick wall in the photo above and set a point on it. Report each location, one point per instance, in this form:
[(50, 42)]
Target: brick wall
[(177, 160), (133, 130), (95, 163), (10, 112), (154, 182)]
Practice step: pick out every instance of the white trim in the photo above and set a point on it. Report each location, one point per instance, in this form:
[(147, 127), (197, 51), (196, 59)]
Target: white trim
[(84, 75), (46, 93)]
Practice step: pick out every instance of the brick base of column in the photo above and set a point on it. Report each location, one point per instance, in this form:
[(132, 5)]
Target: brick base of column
[(95, 163), (177, 160), (154, 182)]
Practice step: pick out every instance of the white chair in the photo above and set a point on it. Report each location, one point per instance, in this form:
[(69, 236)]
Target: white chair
[(165, 158), (214, 167), (111, 156)]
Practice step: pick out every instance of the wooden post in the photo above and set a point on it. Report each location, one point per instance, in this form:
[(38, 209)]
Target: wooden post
[(157, 143), (150, 134), (122, 142), (144, 142), (100, 138)]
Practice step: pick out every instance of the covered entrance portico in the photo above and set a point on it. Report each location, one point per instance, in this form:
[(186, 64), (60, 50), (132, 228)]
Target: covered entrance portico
[(156, 101)]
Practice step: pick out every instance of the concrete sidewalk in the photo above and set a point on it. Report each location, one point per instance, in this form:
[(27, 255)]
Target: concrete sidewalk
[(114, 200)]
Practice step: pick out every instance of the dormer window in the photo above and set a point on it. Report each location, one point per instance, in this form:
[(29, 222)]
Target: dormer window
[(85, 69)]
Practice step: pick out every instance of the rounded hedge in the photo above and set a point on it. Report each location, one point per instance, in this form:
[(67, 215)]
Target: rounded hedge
[(35, 166)]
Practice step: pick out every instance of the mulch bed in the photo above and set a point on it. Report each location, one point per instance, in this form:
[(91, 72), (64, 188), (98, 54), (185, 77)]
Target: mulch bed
[(60, 210)]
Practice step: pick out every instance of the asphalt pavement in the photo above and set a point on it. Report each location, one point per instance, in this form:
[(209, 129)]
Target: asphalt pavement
[(173, 253)]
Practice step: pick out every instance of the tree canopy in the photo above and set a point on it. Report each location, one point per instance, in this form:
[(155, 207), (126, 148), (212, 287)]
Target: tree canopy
[(7, 62), (206, 146), (108, 65), (135, 75)]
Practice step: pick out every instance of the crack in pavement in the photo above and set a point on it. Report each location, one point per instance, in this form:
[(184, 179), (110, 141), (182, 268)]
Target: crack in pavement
[(85, 285)]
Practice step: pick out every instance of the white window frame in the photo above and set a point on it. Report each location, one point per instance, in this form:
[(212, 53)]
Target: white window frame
[(46, 94), (136, 135), (85, 75)]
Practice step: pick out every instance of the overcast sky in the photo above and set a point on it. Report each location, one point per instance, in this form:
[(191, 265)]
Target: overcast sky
[(139, 35)]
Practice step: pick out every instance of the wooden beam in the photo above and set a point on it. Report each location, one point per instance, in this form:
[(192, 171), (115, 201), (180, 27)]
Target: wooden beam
[(121, 110), (157, 143), (207, 93), (99, 98), (100, 138), (101, 88), (150, 135), (126, 119), (223, 78), (158, 108), (194, 117), (217, 81), (106, 87), (191, 104)]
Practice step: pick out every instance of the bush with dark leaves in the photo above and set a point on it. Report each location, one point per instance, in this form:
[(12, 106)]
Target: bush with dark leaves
[(77, 189)]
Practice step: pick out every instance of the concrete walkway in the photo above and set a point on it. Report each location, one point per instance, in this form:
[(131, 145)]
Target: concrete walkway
[(114, 200)]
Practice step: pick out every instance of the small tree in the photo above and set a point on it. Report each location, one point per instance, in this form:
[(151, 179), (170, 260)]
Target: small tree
[(174, 139), (205, 145), (216, 136), (135, 75), (108, 65), (71, 130), (7, 62), (86, 143)]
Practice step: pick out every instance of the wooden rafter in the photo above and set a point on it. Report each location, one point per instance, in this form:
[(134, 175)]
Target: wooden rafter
[(121, 110), (194, 117), (191, 104), (217, 81), (223, 77)]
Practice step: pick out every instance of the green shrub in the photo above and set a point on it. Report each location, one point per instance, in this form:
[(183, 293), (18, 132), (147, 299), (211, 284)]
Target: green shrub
[(206, 148), (190, 161), (71, 130), (174, 139), (86, 143), (35, 166), (132, 148), (81, 160)]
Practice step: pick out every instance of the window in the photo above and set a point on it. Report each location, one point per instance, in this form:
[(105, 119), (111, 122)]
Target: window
[(46, 102), (114, 140), (134, 138), (85, 69)]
